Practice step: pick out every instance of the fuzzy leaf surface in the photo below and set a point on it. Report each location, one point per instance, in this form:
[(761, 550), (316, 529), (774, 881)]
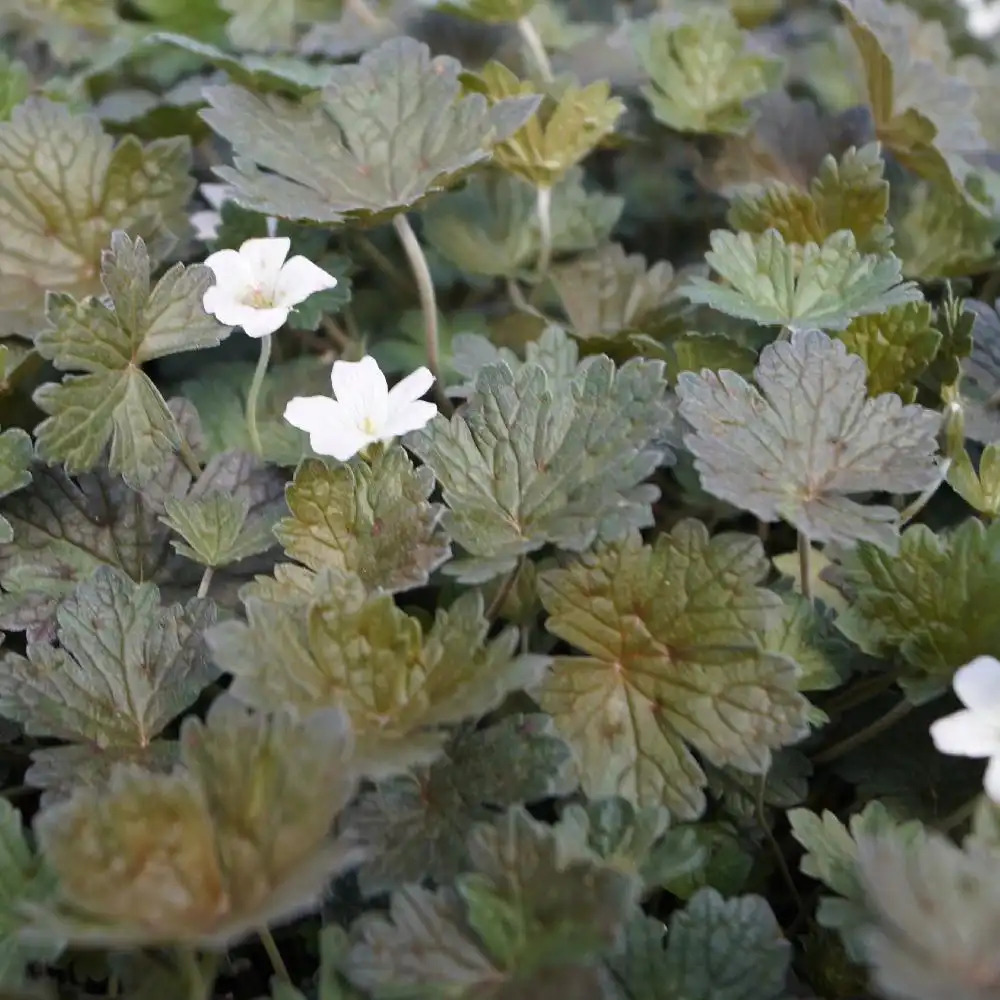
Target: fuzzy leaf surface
[(808, 438), (672, 636)]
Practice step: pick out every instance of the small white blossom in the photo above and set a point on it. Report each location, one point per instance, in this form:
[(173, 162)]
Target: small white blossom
[(975, 730), (364, 411), (256, 288), (206, 224)]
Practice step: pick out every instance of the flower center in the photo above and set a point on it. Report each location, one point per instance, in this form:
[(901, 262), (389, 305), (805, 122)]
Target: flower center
[(257, 298), (368, 427)]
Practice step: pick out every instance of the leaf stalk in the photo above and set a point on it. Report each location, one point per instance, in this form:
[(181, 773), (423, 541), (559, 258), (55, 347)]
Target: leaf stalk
[(254, 393)]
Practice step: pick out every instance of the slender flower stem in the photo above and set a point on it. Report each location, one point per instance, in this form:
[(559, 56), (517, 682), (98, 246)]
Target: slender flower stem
[(899, 711), (543, 210), (772, 841), (500, 597), (274, 955), (805, 571), (910, 512), (200, 981), (960, 816), (206, 581), (365, 14), (428, 302), (255, 385), (536, 47)]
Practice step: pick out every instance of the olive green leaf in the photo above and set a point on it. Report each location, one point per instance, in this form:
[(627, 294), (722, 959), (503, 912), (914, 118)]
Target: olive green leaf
[(533, 460), (610, 292), (808, 439), (416, 826), (923, 114), (266, 25), (115, 400), (823, 286), (489, 11), (832, 858), (125, 666), (65, 187), (218, 529), (979, 488), (941, 235), (897, 346), (569, 124), (935, 602), (702, 73), (849, 193), (371, 519), (929, 906), (672, 635), (16, 453), (715, 949), (490, 226), (234, 840), (341, 646), (15, 85), (381, 136), (219, 393), (528, 918)]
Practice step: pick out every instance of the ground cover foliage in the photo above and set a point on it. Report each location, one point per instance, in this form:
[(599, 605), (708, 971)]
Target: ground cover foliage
[(616, 652)]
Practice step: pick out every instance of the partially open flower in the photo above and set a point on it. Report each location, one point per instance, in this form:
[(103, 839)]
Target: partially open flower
[(975, 730), (256, 288), (364, 411)]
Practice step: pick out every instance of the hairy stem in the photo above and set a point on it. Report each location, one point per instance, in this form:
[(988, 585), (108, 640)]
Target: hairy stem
[(899, 711), (428, 302), (274, 955), (206, 581), (805, 571), (254, 393), (543, 209), (536, 47)]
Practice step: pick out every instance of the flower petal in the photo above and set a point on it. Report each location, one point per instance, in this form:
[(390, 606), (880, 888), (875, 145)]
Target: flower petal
[(965, 734), (411, 417), (215, 194), (409, 389), (256, 322), (361, 387), (206, 225), (299, 279), (991, 780), (312, 413), (340, 445), (977, 684), (231, 272), (330, 428), (263, 258)]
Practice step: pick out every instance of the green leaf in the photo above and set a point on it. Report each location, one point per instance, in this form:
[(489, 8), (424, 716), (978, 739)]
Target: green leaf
[(265, 25), (924, 115), (417, 825), (234, 839), (372, 519), (532, 460), (636, 841), (490, 226), (124, 668), (526, 917), (797, 448), (608, 292), (115, 400), (979, 488), (897, 346), (65, 187), (217, 529), (342, 646), (814, 285), (941, 235), (930, 905), (15, 85), (832, 858), (219, 393), (936, 601), (569, 124), (978, 360), (489, 11), (672, 635), (381, 136), (716, 949), (702, 73), (16, 453), (851, 193)]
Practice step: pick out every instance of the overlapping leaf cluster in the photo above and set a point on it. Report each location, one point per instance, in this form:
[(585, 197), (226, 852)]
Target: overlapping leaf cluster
[(612, 682)]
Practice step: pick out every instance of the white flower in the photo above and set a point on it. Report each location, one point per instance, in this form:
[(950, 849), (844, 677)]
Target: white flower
[(975, 730), (365, 409), (256, 288), (206, 224)]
